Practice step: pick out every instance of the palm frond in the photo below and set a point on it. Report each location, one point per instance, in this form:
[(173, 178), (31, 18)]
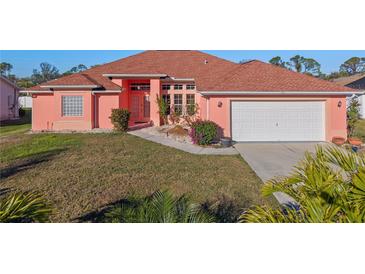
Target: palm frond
[(24, 207), (328, 186)]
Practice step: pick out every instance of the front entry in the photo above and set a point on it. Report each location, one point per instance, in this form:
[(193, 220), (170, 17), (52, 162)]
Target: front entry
[(140, 107)]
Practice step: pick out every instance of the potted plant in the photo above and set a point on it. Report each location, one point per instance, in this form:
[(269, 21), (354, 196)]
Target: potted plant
[(338, 140), (354, 141)]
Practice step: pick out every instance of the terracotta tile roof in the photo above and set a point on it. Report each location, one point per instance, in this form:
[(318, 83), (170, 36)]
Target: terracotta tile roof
[(80, 79), (349, 79), (259, 76), (209, 72)]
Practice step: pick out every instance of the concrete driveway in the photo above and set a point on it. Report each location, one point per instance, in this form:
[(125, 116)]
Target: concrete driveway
[(273, 159)]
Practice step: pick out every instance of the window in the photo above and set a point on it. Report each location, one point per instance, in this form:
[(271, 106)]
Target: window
[(178, 98), (72, 106), (10, 100), (140, 86), (178, 87), (166, 98), (166, 87), (190, 87), (190, 104)]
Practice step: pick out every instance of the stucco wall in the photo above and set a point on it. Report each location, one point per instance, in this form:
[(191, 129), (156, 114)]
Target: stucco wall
[(335, 119), (47, 112), (8, 94), (104, 106)]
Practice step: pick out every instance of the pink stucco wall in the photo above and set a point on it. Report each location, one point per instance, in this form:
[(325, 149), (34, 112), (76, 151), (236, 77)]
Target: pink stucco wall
[(47, 109), (47, 112), (105, 104), (335, 119)]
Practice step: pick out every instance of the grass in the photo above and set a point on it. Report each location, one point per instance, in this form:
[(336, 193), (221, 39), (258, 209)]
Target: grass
[(16, 126), (360, 130), (84, 173)]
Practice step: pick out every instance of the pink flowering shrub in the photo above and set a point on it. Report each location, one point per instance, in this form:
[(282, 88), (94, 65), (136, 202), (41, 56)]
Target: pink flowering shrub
[(203, 132)]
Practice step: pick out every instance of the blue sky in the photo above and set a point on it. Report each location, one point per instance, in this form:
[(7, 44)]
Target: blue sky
[(25, 61)]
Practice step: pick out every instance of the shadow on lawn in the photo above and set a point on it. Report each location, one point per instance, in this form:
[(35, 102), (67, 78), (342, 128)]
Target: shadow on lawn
[(223, 209), (29, 163)]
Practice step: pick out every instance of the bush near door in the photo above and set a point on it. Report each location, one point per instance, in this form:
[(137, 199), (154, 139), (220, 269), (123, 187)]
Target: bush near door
[(120, 118)]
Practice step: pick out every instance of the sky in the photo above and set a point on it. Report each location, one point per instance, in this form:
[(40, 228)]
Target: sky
[(24, 61)]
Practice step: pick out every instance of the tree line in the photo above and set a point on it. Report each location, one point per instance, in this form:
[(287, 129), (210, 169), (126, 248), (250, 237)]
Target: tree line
[(298, 63), (312, 67), (46, 72)]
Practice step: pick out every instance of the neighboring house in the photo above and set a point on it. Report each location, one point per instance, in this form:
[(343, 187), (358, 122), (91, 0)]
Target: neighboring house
[(356, 81), (253, 101), (25, 101), (9, 93)]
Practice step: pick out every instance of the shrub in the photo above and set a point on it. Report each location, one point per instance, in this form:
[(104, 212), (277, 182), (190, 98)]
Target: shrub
[(120, 119), (163, 109), (21, 112), (203, 132), (160, 207), (353, 115)]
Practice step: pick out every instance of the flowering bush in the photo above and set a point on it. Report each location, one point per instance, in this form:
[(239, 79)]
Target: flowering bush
[(203, 132)]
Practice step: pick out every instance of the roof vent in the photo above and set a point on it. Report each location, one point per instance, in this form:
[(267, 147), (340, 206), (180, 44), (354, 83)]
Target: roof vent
[(205, 61)]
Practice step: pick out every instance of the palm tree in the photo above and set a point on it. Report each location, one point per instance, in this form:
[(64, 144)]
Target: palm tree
[(160, 207), (328, 186), (24, 207)]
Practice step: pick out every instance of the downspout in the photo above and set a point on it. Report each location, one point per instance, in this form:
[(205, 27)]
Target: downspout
[(207, 108)]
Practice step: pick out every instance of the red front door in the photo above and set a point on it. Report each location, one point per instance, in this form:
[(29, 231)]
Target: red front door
[(140, 106)]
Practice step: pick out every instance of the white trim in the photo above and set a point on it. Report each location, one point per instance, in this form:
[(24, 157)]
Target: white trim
[(36, 91), (105, 91), (234, 92), (134, 75), (70, 86), (180, 79)]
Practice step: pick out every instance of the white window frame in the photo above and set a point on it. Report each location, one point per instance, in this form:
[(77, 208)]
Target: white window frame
[(166, 87), (72, 110), (179, 105), (187, 102), (178, 86), (190, 86), (140, 86)]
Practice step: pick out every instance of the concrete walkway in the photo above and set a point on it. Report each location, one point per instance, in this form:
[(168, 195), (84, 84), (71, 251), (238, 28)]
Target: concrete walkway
[(270, 160), (194, 149)]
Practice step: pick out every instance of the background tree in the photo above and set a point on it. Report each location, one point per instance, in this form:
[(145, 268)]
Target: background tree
[(25, 82), (311, 66), (353, 65), (296, 63), (5, 68), (277, 61), (76, 69), (299, 64), (47, 72)]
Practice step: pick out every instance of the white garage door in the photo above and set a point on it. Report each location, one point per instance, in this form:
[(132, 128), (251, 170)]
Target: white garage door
[(278, 121)]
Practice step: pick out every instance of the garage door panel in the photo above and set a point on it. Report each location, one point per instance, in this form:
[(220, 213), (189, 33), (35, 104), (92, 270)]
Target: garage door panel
[(278, 121)]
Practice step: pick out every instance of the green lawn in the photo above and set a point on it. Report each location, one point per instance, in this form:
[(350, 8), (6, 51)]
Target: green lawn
[(82, 173), (16, 126)]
